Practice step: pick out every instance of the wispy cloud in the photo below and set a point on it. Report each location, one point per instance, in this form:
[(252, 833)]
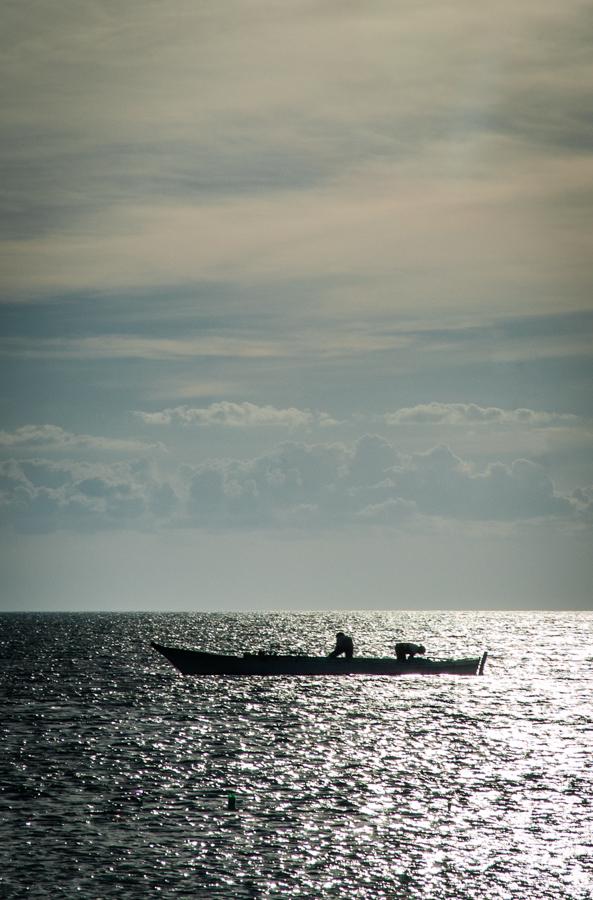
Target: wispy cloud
[(423, 234), (113, 346), (324, 338), (436, 157)]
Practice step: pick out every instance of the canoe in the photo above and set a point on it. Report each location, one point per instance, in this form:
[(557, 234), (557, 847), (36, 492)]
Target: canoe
[(197, 662)]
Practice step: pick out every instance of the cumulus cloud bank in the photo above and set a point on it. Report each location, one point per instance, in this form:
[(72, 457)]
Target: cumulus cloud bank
[(41, 495), (236, 415), (296, 485), (242, 415), (470, 413), (368, 482)]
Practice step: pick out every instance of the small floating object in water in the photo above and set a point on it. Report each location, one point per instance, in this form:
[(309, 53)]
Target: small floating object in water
[(231, 802)]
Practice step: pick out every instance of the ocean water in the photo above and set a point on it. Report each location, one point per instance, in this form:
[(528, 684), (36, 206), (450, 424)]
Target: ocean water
[(115, 769)]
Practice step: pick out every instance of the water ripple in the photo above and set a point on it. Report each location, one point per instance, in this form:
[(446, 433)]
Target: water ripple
[(115, 770)]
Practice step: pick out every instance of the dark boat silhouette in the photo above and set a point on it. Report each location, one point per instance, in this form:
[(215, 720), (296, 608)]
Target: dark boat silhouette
[(197, 662)]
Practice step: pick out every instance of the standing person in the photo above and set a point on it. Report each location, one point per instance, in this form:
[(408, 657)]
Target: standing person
[(343, 645), (405, 652)]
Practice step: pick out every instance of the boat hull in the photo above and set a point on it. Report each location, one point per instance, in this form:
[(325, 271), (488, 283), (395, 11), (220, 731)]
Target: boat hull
[(195, 662)]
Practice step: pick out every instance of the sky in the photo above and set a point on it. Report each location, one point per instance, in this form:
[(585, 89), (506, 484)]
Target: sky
[(296, 305)]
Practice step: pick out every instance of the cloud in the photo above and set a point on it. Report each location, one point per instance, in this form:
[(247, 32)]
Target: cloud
[(237, 415), (471, 414), (439, 157), (41, 495), (227, 413), (583, 500), (424, 231), (296, 485), (369, 481), (444, 485), (56, 438), (389, 512), (138, 346)]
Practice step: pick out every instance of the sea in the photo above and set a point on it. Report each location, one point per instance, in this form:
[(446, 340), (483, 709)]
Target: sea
[(118, 775)]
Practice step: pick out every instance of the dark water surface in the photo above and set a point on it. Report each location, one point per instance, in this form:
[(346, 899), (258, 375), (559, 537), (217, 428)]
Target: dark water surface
[(115, 770)]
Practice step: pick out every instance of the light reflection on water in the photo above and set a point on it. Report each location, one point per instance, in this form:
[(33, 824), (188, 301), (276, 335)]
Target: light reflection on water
[(115, 769)]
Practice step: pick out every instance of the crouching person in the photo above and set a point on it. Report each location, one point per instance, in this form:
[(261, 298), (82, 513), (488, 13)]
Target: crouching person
[(407, 652), (344, 646)]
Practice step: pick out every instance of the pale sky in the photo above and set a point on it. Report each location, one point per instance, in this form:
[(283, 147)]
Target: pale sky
[(296, 305)]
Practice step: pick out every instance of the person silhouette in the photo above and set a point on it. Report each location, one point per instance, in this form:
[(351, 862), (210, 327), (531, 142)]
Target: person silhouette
[(406, 652), (344, 646)]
